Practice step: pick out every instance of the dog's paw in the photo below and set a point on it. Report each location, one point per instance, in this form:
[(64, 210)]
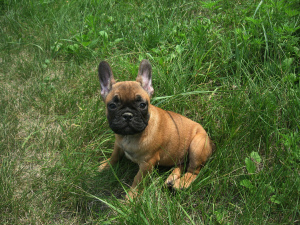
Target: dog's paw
[(185, 181), (131, 194), (179, 185), (104, 166), (171, 180)]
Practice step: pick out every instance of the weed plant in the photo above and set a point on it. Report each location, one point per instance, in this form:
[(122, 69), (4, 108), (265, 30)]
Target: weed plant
[(232, 66)]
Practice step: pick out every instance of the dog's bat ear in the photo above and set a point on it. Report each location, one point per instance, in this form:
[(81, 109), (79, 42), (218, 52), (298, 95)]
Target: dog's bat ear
[(145, 76), (106, 78)]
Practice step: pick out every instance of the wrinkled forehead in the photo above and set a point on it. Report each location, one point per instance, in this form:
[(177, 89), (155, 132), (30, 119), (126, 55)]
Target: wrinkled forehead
[(128, 91)]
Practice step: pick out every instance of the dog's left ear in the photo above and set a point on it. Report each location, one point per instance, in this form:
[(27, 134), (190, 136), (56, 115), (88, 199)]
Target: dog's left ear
[(145, 76)]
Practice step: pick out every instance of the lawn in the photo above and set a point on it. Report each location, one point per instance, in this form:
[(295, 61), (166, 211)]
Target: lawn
[(231, 65)]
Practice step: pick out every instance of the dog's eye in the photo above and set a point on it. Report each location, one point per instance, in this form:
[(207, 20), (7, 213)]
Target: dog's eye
[(112, 106), (143, 105)]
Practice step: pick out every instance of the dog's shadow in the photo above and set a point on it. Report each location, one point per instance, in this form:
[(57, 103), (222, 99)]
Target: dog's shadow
[(110, 185), (116, 178), (97, 190)]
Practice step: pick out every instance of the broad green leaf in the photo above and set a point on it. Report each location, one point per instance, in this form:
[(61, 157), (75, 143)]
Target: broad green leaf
[(255, 156), (103, 34), (287, 62), (246, 183), (179, 49), (250, 165), (274, 199)]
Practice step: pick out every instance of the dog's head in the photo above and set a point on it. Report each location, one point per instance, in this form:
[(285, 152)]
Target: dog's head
[(127, 102)]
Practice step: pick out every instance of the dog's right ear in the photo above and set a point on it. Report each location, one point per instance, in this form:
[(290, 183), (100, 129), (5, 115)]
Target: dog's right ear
[(106, 78)]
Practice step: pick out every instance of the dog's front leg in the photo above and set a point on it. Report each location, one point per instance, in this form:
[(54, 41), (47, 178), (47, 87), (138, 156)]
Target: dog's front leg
[(116, 155), (144, 169)]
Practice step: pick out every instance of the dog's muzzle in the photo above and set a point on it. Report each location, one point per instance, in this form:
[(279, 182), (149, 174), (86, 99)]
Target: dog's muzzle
[(128, 123)]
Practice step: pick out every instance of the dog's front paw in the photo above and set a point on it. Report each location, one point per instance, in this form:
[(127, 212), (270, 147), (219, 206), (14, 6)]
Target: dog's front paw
[(131, 194), (104, 165)]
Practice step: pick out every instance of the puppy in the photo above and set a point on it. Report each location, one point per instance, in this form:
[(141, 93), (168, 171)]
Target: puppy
[(148, 135)]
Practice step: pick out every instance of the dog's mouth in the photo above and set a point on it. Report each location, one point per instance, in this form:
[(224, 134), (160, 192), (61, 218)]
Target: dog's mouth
[(127, 124), (128, 128)]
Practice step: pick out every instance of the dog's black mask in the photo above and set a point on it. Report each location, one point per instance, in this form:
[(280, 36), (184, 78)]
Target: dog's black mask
[(127, 118)]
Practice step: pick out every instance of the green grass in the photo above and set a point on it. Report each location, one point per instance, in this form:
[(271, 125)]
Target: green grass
[(232, 66)]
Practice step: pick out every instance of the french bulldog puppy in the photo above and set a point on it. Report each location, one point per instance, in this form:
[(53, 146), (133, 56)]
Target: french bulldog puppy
[(148, 135)]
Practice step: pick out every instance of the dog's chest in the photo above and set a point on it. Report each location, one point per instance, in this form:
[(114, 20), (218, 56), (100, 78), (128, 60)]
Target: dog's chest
[(131, 149)]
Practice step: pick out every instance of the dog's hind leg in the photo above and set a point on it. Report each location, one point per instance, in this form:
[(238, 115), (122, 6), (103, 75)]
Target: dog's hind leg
[(199, 151), (175, 175)]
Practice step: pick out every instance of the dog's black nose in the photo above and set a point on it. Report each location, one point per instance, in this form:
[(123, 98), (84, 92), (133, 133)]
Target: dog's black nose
[(127, 116)]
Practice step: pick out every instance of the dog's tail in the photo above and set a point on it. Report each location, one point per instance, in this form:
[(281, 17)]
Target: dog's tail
[(213, 145)]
